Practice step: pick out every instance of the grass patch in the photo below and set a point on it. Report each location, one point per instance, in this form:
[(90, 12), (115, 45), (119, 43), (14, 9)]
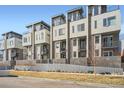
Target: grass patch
[(79, 77)]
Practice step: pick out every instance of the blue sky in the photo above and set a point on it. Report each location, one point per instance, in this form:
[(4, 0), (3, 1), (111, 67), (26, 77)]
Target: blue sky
[(15, 18)]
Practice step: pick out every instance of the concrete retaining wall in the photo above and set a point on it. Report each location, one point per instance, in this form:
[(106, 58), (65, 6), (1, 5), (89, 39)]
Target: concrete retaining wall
[(59, 61), (25, 62), (114, 61), (122, 65), (5, 67), (79, 61), (69, 68)]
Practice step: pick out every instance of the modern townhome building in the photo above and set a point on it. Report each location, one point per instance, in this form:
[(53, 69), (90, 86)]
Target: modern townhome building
[(92, 39), (36, 41), (11, 47)]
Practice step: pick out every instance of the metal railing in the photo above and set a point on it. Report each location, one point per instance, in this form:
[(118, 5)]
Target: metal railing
[(110, 44)]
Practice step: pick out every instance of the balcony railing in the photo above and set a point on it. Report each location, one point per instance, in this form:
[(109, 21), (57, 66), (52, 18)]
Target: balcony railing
[(111, 44)]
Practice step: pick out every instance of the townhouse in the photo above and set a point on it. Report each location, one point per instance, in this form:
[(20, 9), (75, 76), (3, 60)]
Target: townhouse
[(36, 41), (83, 36), (85, 40), (11, 47)]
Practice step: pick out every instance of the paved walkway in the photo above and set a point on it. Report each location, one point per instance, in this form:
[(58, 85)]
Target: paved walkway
[(30, 82)]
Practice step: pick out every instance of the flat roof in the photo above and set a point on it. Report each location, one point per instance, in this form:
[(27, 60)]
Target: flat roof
[(75, 9), (11, 32), (58, 15), (38, 22)]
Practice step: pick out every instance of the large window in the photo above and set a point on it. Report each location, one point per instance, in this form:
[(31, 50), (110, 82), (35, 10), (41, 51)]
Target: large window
[(95, 24), (109, 21), (96, 39), (82, 43), (107, 53), (107, 41), (63, 46), (11, 42), (81, 27), (55, 32), (72, 29), (25, 39), (42, 35), (61, 31)]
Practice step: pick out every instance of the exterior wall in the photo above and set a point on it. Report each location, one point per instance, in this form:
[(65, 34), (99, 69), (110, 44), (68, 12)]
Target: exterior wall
[(29, 39), (81, 33), (99, 18), (56, 28), (122, 47)]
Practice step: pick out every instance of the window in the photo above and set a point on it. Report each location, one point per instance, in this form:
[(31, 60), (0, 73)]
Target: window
[(74, 16), (104, 22), (55, 32), (39, 36), (80, 27), (95, 24), (61, 31), (97, 52), (36, 37), (74, 54), (82, 54), (57, 44), (63, 45), (29, 39), (82, 43), (72, 29), (63, 55), (109, 21), (11, 43), (25, 39), (96, 39), (42, 35), (107, 53), (107, 41), (74, 42)]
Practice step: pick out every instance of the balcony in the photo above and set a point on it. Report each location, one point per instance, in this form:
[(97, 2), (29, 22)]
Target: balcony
[(114, 44)]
